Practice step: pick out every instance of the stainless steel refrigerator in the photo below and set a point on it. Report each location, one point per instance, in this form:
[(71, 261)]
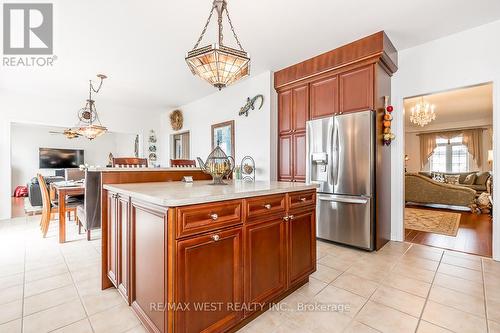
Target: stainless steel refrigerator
[(341, 159)]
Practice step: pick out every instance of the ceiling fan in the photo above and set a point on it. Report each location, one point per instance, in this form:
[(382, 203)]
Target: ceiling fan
[(68, 133)]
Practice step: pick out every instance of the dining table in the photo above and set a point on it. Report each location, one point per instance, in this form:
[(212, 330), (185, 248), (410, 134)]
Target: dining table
[(63, 191)]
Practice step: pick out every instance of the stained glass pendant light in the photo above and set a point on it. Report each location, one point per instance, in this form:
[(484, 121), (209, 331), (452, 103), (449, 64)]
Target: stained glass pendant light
[(218, 64), (89, 124)]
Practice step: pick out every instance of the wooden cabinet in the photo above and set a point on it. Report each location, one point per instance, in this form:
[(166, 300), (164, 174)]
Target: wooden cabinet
[(119, 243), (301, 246), (300, 108), (293, 113), (265, 260), (259, 207), (149, 236), (123, 245), (324, 97), (357, 89), (285, 167), (112, 268), (217, 274), (299, 157), (209, 275), (285, 112), (196, 219)]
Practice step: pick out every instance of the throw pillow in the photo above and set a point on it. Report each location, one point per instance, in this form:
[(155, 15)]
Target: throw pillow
[(438, 177), (470, 179), (482, 177), (451, 179)]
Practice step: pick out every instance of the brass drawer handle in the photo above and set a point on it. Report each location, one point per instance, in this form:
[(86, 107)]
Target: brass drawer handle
[(285, 218), (267, 206), (215, 238), (214, 216), (303, 199), (291, 217)]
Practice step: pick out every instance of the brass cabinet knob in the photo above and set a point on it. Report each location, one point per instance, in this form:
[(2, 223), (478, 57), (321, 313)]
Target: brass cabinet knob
[(215, 237), (214, 216), (291, 217), (303, 199), (285, 218), (267, 206)]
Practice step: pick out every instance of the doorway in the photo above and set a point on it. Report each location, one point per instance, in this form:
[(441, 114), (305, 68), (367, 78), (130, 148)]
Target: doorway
[(448, 169), (180, 146)]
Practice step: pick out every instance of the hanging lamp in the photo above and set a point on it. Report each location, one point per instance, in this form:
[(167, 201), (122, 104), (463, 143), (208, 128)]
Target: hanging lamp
[(218, 64), (89, 124)]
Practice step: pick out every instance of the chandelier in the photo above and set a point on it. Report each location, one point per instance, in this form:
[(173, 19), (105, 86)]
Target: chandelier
[(218, 64), (89, 124), (423, 113)]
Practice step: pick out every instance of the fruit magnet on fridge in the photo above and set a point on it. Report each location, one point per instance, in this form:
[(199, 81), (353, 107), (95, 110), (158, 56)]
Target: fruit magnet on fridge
[(388, 136)]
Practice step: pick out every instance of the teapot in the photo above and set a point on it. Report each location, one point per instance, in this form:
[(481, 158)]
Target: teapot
[(218, 165)]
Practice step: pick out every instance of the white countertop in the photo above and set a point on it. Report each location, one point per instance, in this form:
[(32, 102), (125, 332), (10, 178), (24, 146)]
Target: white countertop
[(140, 169), (174, 194)]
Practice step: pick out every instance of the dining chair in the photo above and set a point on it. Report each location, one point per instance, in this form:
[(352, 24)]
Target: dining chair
[(88, 215), (128, 162), (49, 207), (178, 163)]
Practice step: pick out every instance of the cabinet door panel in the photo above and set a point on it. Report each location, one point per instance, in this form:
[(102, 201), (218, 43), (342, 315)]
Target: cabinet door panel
[(356, 90), (299, 157), (148, 277), (300, 108), (285, 111), (123, 247), (324, 97), (285, 158), (209, 269), (112, 238), (265, 260), (301, 245)]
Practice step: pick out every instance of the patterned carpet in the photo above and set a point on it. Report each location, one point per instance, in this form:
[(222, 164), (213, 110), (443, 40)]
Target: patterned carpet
[(444, 223)]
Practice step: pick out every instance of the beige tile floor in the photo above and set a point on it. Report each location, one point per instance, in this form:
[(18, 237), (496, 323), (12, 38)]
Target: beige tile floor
[(48, 287)]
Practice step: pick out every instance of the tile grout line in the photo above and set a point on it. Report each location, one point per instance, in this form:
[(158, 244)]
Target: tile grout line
[(77, 291), (24, 283), (429, 293), (484, 295)]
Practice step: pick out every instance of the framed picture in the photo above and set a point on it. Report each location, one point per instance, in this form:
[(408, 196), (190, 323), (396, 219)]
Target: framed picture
[(223, 136)]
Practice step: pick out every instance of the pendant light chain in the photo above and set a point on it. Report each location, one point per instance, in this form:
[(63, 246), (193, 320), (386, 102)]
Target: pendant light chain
[(204, 29), (232, 29)]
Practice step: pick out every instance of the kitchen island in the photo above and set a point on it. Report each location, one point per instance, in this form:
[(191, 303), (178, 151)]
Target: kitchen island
[(194, 257)]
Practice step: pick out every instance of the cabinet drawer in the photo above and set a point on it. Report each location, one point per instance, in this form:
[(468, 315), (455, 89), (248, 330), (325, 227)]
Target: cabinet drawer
[(200, 218), (301, 199), (259, 206)]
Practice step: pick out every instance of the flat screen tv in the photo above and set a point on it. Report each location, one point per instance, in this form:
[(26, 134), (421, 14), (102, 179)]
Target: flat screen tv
[(54, 158)]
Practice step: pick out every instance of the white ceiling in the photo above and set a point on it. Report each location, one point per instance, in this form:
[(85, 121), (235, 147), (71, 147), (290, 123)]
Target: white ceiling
[(141, 45), (459, 105)]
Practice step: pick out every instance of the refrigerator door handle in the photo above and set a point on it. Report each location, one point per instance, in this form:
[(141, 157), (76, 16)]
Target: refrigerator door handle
[(343, 199), (335, 155)]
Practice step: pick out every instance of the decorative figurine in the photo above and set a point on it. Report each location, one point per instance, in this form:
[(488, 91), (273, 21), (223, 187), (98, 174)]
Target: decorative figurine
[(250, 105)]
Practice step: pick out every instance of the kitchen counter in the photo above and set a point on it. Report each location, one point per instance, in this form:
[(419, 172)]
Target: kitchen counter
[(174, 194), (195, 257), (114, 169)]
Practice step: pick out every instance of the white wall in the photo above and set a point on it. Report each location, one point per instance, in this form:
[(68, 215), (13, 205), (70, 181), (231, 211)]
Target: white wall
[(412, 143), (27, 139), (253, 134), (25, 106), (459, 60)]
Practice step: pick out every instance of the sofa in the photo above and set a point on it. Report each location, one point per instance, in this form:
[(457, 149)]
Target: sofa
[(34, 193), (481, 181), (424, 190)]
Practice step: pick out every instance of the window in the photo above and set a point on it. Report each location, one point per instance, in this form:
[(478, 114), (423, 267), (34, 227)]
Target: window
[(450, 156)]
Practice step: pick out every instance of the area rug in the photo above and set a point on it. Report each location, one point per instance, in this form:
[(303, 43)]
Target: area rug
[(444, 223)]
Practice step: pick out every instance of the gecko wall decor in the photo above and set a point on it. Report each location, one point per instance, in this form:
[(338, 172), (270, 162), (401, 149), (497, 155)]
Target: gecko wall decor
[(250, 105)]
